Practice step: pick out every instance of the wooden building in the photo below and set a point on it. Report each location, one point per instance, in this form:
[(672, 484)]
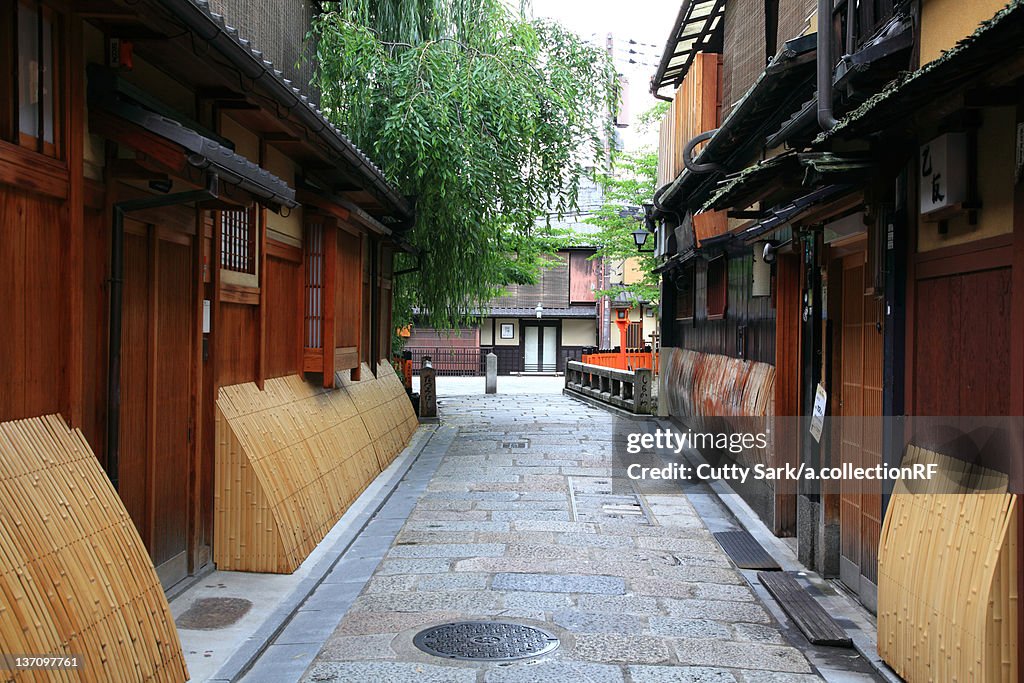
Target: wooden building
[(525, 338), (184, 239), (888, 206)]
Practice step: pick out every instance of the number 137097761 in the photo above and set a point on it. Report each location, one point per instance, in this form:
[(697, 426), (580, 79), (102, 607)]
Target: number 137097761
[(39, 662)]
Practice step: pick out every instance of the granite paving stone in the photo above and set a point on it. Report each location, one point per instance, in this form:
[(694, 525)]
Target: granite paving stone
[(680, 674), (492, 534), (740, 655), (559, 583)]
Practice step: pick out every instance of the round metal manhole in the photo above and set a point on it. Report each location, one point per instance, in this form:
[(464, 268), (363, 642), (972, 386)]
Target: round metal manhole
[(485, 641)]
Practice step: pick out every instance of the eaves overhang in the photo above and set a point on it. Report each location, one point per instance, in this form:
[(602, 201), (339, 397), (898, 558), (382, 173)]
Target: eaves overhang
[(212, 28), (992, 47)]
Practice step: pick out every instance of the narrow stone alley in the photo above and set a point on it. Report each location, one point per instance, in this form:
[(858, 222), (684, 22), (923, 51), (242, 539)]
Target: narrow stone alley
[(508, 514)]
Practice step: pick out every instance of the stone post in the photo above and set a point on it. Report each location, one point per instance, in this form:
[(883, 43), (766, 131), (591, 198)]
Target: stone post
[(491, 382), (428, 389), (642, 391)]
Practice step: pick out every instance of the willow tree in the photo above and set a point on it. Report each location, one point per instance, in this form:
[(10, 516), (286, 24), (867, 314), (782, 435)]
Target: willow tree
[(488, 118)]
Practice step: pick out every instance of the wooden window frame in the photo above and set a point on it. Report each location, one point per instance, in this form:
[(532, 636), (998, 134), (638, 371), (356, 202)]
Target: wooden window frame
[(229, 259), (685, 284), (717, 288), (11, 86)]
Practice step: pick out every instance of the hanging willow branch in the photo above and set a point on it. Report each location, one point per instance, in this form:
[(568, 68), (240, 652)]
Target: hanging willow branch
[(490, 120)]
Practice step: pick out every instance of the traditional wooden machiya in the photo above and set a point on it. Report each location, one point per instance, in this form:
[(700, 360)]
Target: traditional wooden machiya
[(163, 205)]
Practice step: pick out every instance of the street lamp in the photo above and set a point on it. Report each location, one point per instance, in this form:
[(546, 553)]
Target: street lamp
[(539, 310), (640, 238)]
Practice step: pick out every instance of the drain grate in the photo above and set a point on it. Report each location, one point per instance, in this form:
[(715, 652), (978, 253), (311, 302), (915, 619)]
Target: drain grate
[(515, 444), (485, 641)]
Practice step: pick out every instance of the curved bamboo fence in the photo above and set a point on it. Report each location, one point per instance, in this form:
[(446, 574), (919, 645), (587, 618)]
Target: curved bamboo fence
[(75, 578), (293, 457), (720, 394), (947, 577)]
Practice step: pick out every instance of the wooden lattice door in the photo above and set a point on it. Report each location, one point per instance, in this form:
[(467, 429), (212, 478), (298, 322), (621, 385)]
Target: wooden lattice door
[(859, 408)]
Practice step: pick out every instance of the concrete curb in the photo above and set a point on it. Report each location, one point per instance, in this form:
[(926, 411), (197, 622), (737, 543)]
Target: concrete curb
[(246, 656)]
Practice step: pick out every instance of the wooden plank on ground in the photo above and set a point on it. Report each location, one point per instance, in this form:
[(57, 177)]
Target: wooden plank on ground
[(745, 551), (810, 617)]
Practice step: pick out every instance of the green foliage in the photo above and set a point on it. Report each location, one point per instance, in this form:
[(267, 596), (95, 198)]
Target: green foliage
[(630, 184), (488, 119), (653, 116)]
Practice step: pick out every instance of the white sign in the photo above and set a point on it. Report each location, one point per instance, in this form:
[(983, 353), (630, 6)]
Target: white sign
[(942, 172), (818, 414)]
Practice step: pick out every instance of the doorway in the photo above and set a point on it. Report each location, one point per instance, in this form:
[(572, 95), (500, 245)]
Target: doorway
[(156, 403), (858, 379), (540, 348)]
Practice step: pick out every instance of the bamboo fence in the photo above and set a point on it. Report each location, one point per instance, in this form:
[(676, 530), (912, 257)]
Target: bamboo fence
[(75, 578), (292, 458), (720, 394), (947, 576)]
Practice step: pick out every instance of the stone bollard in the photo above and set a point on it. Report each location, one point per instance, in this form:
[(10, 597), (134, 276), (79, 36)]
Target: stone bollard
[(428, 389), (642, 391), (491, 382)]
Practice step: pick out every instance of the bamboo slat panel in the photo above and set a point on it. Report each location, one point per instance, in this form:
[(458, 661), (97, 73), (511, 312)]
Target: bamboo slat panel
[(75, 578), (947, 578), (718, 393), (292, 458)]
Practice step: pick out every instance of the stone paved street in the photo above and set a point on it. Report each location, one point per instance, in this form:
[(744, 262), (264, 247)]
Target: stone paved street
[(524, 534)]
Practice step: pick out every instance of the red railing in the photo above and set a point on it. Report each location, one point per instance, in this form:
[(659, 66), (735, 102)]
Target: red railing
[(630, 360)]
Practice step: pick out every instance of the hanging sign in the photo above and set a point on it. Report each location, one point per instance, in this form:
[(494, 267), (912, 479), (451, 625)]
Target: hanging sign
[(942, 172), (818, 414)]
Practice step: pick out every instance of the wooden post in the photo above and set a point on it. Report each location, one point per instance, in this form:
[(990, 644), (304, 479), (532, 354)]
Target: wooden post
[(330, 294)]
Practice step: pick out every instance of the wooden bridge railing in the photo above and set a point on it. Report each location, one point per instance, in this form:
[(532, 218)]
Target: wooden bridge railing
[(630, 391), (631, 360)]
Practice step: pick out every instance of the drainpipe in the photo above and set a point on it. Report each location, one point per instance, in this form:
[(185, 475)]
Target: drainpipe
[(120, 209), (688, 161), (825, 118)]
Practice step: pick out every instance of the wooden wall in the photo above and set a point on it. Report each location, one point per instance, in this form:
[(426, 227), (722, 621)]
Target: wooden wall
[(962, 344), (293, 457), (75, 575), (722, 336), (694, 110), (348, 305), (284, 313), (32, 268), (237, 339)]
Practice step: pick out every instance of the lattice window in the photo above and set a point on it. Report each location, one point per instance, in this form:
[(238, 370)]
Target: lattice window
[(314, 298), (635, 337), (238, 240), (29, 92)]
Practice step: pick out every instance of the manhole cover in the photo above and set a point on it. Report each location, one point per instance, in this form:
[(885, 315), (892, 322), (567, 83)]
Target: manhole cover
[(485, 641), (210, 614)]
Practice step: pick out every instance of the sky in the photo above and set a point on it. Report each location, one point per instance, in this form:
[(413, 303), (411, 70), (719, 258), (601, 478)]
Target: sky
[(646, 21)]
